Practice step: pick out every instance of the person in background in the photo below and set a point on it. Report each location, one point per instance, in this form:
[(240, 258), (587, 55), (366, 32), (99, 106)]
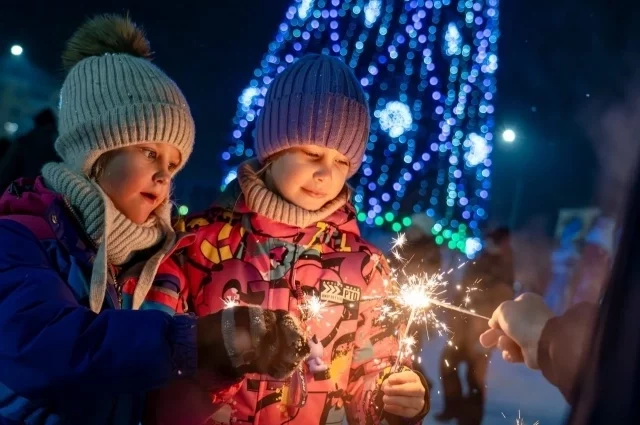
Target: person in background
[(492, 277), (595, 262), (27, 154), (563, 260), (4, 147), (421, 252)]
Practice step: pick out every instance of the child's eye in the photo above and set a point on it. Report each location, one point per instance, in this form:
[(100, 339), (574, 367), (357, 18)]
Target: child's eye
[(342, 162), (311, 154), (149, 153), (173, 167)]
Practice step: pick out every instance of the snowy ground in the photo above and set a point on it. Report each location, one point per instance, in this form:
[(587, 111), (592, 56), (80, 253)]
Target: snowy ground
[(510, 388)]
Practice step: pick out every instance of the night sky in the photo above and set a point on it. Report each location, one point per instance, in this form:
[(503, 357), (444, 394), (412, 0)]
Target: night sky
[(560, 60)]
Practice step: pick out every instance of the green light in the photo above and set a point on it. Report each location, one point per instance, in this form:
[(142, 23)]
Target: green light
[(388, 216), (183, 210), (406, 221), (439, 240), (447, 234), (362, 216), (455, 237), (396, 227), (452, 245), (461, 246), (379, 221), (462, 227)]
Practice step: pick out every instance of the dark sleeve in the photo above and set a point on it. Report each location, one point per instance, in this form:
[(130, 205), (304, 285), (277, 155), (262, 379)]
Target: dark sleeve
[(56, 349), (563, 343)]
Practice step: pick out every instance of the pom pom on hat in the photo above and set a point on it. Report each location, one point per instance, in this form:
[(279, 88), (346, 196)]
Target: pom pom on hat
[(114, 97), (106, 34)]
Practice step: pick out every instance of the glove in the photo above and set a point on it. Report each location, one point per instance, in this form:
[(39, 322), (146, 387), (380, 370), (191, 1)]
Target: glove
[(249, 339)]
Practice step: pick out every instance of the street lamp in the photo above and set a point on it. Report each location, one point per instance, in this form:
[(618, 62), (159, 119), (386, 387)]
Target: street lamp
[(16, 50), (509, 136)]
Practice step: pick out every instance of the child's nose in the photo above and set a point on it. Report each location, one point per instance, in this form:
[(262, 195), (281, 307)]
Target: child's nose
[(323, 172), (163, 177)]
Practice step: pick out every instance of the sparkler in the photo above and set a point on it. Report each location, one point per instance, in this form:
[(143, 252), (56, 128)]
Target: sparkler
[(416, 295), (387, 311), (520, 420)]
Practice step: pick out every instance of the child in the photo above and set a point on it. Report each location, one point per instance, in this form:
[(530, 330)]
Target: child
[(80, 346), (285, 231)]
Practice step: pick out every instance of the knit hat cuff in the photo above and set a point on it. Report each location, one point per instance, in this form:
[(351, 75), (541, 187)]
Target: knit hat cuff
[(330, 120), (133, 124)]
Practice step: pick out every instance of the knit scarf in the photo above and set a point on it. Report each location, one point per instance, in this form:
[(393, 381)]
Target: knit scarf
[(118, 239), (262, 200)]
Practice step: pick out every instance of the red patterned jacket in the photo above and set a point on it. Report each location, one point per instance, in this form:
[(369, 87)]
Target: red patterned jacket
[(250, 259)]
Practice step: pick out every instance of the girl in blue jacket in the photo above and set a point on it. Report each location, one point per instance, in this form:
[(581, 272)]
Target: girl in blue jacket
[(86, 326)]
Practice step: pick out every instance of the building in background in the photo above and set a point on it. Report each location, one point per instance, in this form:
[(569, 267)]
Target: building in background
[(428, 67)]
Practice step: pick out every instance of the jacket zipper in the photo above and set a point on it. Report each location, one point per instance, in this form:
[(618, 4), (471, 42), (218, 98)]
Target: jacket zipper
[(117, 287)]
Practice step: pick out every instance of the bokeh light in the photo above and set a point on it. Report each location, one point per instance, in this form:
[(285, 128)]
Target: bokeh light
[(428, 68)]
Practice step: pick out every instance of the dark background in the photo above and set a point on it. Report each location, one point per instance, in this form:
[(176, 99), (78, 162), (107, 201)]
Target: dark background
[(561, 64)]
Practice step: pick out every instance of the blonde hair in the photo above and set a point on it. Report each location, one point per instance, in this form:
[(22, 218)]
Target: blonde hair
[(97, 170)]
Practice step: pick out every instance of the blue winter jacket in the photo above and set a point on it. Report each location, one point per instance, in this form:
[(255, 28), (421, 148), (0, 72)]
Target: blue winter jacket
[(61, 363)]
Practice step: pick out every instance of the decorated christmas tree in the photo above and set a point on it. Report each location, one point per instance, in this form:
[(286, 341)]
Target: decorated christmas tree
[(428, 67)]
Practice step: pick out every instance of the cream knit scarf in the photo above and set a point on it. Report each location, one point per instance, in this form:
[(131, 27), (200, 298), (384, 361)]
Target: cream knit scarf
[(264, 201), (123, 237)]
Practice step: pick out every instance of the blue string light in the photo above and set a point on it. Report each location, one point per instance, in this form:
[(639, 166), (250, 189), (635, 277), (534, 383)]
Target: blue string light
[(428, 68)]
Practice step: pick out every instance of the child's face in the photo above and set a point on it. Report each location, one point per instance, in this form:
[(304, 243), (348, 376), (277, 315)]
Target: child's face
[(138, 178), (309, 176)]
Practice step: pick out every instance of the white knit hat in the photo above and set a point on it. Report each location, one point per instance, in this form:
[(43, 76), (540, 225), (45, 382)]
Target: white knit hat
[(113, 96)]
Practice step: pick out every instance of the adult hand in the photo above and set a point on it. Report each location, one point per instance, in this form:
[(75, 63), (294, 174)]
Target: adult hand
[(516, 328)]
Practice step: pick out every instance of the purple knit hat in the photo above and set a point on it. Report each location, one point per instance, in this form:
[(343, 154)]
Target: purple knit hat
[(315, 101)]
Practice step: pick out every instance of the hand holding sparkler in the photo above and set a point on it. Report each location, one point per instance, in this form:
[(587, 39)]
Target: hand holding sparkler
[(404, 394), (516, 328)]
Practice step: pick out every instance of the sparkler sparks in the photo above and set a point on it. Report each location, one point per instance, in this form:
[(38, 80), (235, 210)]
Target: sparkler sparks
[(399, 242), (419, 296), (230, 302), (311, 307), (416, 298), (520, 420), (406, 346)]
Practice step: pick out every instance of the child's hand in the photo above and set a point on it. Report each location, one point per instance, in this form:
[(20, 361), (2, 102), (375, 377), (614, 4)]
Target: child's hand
[(516, 328), (249, 339), (403, 394)]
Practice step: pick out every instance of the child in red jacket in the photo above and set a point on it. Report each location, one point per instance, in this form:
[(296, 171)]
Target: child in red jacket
[(285, 232)]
